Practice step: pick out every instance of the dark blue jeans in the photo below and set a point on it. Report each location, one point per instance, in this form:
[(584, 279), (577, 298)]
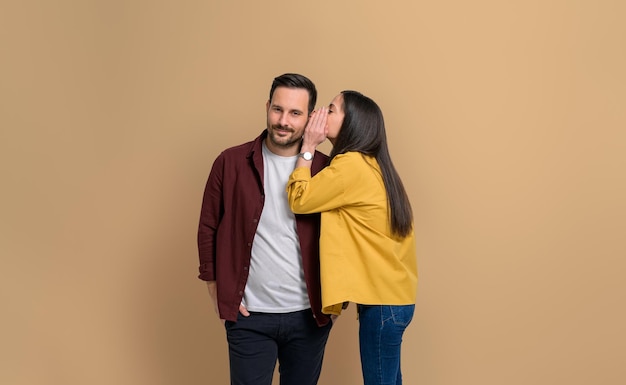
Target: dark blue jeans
[(380, 338), (257, 341)]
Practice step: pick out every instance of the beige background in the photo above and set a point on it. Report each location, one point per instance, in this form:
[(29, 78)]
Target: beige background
[(506, 120)]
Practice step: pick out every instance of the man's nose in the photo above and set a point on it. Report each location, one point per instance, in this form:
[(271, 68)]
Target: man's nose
[(283, 121)]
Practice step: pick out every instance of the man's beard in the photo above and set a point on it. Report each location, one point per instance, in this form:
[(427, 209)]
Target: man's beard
[(288, 141)]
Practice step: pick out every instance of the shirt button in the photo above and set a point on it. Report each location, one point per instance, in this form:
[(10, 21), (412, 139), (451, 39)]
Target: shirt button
[(241, 293), (254, 220), (245, 268)]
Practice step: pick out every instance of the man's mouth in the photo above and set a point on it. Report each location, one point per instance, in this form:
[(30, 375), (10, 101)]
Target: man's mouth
[(282, 130)]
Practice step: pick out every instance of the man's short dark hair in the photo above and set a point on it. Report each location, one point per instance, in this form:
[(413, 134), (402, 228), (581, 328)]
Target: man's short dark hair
[(296, 81)]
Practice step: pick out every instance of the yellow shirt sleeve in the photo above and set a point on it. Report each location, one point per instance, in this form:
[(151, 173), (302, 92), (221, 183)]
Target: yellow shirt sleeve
[(326, 190)]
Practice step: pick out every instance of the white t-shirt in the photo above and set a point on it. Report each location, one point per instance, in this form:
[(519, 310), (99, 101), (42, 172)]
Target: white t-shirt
[(276, 281)]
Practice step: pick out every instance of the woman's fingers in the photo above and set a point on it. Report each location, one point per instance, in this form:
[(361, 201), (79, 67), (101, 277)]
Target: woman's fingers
[(315, 130), (319, 119)]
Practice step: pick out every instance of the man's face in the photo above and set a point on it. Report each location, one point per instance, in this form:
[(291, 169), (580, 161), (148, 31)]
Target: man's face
[(287, 115)]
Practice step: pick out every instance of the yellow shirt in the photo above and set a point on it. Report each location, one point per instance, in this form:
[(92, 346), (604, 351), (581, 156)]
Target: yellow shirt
[(361, 261)]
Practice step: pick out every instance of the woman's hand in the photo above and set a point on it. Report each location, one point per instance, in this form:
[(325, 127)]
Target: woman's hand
[(316, 130)]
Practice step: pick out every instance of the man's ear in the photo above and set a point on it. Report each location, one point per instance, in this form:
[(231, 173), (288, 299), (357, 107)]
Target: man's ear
[(267, 106)]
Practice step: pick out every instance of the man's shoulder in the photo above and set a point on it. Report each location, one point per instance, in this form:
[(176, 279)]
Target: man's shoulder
[(242, 149), (320, 160), (239, 148), (321, 155)]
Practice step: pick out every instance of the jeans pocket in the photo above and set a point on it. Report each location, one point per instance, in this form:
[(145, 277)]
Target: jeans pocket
[(402, 315)]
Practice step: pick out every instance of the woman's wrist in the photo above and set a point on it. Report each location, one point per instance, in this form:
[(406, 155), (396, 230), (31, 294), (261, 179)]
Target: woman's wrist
[(308, 148)]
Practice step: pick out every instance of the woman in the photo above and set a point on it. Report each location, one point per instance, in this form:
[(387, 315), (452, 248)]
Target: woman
[(367, 244)]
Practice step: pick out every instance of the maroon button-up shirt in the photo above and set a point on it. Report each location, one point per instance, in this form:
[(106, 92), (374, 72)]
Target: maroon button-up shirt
[(231, 209)]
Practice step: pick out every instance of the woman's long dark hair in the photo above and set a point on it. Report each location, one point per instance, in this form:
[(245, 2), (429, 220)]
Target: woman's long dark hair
[(363, 130)]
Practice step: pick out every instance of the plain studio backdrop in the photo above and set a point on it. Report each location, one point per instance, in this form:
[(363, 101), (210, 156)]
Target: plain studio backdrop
[(506, 120)]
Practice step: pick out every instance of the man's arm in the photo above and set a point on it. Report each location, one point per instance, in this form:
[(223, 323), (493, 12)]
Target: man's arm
[(210, 214)]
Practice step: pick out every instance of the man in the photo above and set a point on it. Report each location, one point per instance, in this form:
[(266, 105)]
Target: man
[(260, 261)]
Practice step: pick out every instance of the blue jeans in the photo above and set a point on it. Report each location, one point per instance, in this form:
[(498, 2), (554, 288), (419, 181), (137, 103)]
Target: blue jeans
[(380, 339), (257, 341)]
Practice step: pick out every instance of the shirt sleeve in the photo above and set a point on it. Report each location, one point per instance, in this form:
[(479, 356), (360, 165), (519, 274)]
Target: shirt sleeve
[(212, 208), (323, 192)]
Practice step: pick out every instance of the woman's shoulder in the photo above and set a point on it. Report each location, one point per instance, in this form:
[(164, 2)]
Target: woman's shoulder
[(356, 167), (355, 156), (355, 159)]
